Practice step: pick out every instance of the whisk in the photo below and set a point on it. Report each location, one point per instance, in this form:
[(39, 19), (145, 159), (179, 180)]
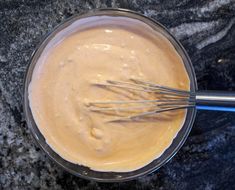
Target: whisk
[(167, 99)]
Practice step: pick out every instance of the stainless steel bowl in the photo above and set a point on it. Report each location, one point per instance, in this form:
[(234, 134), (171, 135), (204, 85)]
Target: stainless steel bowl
[(86, 172)]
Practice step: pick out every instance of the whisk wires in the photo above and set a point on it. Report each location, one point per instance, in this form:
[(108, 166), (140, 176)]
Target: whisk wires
[(165, 99)]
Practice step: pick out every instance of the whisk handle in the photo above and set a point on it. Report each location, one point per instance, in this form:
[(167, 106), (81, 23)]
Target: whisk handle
[(215, 100)]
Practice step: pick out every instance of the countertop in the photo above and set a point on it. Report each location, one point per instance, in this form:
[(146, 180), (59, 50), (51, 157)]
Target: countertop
[(206, 29)]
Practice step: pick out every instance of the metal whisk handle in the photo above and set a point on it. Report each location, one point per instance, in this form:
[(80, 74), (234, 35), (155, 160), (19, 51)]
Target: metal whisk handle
[(215, 100)]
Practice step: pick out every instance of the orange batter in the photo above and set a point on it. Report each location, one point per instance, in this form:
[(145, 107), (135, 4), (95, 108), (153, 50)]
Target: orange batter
[(93, 50)]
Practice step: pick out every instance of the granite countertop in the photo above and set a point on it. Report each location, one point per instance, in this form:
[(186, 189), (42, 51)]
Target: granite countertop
[(206, 29)]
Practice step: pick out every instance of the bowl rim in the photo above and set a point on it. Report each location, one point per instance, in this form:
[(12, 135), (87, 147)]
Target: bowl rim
[(34, 129)]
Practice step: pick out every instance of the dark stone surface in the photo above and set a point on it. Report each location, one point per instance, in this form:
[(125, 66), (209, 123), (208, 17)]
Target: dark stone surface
[(206, 28)]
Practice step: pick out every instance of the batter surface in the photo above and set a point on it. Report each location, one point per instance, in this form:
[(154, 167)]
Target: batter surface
[(93, 50)]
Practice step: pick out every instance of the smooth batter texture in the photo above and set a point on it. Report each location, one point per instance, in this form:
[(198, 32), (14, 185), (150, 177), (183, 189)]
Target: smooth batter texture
[(93, 50)]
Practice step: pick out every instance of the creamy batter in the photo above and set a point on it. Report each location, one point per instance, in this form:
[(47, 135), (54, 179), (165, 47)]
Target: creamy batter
[(93, 50)]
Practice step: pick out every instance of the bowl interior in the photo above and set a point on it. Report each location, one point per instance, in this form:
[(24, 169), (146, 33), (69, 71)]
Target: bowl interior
[(85, 172)]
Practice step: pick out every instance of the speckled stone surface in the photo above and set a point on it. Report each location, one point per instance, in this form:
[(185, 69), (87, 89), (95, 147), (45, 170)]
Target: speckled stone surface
[(206, 28)]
